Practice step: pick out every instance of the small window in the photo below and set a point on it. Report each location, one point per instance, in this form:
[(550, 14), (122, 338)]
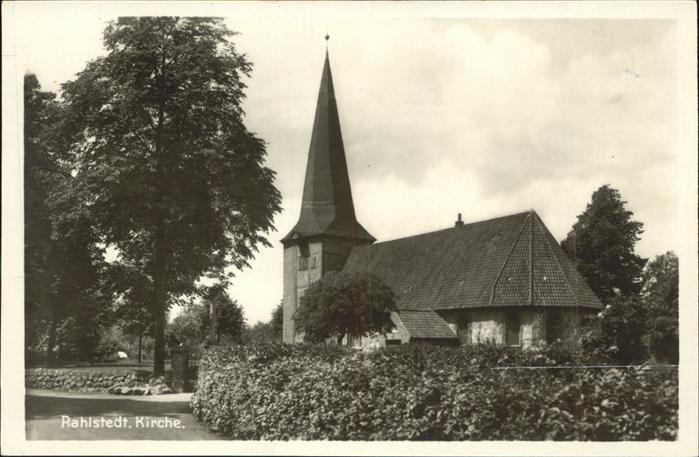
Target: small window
[(553, 326), (464, 329), (512, 330), (303, 263), (313, 262)]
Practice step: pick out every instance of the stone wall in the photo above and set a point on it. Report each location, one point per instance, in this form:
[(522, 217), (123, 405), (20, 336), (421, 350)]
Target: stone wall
[(81, 380)]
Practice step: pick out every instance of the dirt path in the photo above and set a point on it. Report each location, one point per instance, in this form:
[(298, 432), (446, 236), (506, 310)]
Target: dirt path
[(55, 415)]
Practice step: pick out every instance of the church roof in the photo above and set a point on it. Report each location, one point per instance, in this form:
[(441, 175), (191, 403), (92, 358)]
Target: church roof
[(508, 261), (326, 207), (425, 324)]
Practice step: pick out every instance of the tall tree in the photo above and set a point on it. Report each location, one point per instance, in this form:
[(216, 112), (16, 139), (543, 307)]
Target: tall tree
[(341, 304), (63, 262), (661, 295), (602, 244), (163, 162), (39, 110)]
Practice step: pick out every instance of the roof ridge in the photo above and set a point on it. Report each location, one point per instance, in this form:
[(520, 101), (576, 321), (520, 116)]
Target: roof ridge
[(507, 259), (548, 236), (450, 228)]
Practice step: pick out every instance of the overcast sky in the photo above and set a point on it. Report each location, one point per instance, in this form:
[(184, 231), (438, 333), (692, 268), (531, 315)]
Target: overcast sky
[(440, 116)]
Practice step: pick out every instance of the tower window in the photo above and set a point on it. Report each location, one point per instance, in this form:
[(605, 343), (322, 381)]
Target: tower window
[(313, 262), (304, 253)]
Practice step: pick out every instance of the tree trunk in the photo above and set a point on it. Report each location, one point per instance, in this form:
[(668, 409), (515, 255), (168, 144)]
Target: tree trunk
[(50, 357), (160, 304), (213, 324), (140, 345)]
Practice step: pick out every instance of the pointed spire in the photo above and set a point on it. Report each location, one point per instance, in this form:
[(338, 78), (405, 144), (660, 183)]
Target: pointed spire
[(327, 207)]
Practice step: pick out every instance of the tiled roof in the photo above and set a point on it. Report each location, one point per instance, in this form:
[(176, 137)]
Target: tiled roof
[(425, 324), (507, 261), (327, 208)]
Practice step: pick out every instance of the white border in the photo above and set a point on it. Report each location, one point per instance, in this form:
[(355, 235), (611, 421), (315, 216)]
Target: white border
[(12, 382)]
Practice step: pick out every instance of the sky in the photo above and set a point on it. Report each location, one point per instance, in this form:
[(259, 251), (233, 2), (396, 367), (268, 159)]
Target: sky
[(484, 117)]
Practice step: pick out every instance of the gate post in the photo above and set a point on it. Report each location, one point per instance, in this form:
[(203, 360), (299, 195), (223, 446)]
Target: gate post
[(180, 370)]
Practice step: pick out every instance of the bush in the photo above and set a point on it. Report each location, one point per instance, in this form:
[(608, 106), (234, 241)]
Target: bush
[(307, 392), (616, 333)]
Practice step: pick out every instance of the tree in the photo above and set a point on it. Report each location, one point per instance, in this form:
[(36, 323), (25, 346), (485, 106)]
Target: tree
[(661, 295), (229, 319), (62, 261), (277, 321), (39, 108), (341, 304), (617, 332), (189, 328), (132, 292), (164, 166), (266, 332), (602, 244)]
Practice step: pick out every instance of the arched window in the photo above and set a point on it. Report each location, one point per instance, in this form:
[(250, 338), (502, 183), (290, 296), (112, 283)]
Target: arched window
[(512, 329)]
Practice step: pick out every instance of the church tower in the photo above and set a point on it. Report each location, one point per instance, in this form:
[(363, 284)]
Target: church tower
[(327, 228)]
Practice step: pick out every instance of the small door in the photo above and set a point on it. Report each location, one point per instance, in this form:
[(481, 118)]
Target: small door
[(512, 330)]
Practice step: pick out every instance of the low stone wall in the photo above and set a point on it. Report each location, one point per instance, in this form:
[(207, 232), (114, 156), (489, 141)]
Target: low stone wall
[(81, 380)]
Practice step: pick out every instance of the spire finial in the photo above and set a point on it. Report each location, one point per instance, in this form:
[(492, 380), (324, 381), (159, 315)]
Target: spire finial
[(327, 38)]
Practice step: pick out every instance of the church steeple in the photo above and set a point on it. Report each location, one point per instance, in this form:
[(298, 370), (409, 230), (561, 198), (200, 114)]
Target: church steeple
[(327, 207)]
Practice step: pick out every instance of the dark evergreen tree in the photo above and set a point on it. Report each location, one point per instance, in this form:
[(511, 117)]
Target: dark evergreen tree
[(164, 166), (602, 243)]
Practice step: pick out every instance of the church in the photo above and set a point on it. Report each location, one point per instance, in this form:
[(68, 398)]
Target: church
[(504, 280)]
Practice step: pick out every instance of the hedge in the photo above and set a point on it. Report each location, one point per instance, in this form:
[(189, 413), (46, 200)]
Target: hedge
[(277, 392)]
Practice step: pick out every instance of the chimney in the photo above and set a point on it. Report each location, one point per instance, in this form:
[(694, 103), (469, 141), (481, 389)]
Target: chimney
[(459, 222)]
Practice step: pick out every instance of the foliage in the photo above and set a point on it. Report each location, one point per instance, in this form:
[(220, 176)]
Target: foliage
[(602, 243), (63, 263), (616, 332), (131, 292), (266, 332), (342, 304), (189, 329), (277, 321), (661, 296), (283, 392), (165, 169), (111, 340), (229, 315)]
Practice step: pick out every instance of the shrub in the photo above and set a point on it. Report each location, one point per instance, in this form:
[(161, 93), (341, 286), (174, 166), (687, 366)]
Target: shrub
[(307, 392), (616, 333)]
